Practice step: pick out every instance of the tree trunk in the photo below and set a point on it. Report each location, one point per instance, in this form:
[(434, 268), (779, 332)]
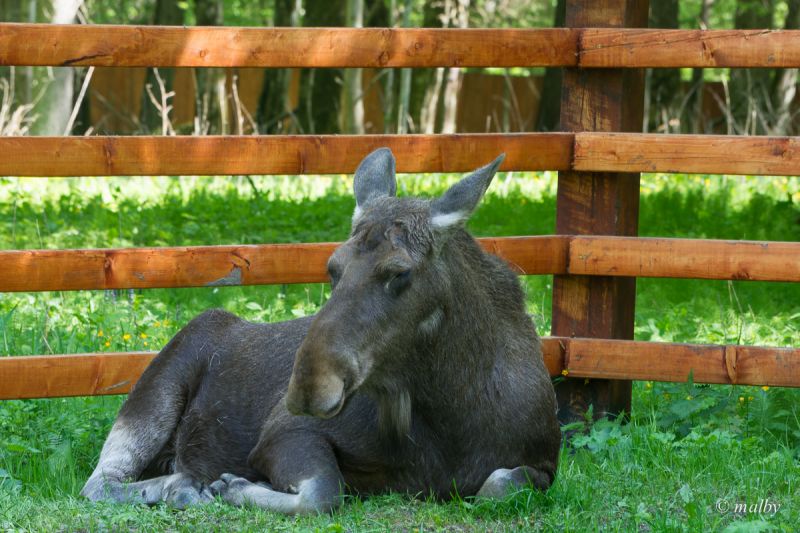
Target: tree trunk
[(320, 89), (273, 101), (352, 116), (167, 13), (550, 99), (694, 106), (389, 119), (750, 88), (212, 115), (56, 104), (786, 81), (454, 76), (663, 84)]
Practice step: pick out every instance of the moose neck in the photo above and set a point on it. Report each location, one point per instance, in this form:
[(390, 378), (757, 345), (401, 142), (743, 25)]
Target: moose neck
[(462, 365)]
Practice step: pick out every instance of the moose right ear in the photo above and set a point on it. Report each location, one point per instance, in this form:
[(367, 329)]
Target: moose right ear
[(374, 178)]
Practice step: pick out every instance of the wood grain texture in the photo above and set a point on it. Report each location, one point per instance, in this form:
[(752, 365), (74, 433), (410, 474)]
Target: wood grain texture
[(165, 46), (275, 154), (713, 154), (605, 47), (733, 364), (685, 258), (54, 376), (340, 154), (198, 266), (598, 100)]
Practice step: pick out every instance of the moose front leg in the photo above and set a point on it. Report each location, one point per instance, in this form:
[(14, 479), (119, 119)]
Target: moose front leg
[(505, 481), (314, 495), (303, 472)]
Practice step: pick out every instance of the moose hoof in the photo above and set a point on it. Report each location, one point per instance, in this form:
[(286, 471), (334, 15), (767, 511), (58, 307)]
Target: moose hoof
[(230, 488), (184, 491), (503, 481)]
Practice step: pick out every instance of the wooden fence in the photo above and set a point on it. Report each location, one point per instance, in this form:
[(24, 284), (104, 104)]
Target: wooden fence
[(595, 257)]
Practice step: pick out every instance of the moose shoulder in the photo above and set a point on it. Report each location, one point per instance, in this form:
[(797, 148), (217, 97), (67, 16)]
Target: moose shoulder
[(423, 371)]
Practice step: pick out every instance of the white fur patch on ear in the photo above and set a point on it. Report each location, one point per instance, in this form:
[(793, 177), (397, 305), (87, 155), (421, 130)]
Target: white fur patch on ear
[(445, 220), (357, 213)]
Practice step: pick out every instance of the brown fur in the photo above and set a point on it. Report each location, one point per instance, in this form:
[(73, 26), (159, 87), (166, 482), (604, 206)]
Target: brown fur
[(418, 384)]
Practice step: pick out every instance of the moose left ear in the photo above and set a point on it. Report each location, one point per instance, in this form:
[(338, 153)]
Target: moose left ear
[(375, 177), (456, 205)]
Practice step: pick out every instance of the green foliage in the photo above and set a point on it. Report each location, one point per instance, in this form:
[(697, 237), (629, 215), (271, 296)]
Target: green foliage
[(686, 447)]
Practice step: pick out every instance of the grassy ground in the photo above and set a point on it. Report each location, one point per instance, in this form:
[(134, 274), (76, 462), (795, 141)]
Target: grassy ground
[(690, 455)]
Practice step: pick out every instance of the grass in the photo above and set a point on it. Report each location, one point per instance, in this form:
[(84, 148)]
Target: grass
[(688, 449)]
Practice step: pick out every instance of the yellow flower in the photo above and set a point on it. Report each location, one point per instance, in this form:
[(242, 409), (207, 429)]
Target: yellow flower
[(565, 372), (145, 343), (143, 335), (107, 344), (749, 398), (765, 388), (689, 397), (126, 337), (741, 398), (100, 333), (648, 385), (157, 324)]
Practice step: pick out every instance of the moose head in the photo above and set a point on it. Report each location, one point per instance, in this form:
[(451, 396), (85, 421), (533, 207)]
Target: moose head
[(393, 284)]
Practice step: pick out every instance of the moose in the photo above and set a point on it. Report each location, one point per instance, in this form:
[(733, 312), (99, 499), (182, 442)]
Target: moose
[(422, 374)]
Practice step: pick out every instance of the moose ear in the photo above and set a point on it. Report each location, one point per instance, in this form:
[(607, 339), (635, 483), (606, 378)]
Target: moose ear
[(455, 206), (374, 177)]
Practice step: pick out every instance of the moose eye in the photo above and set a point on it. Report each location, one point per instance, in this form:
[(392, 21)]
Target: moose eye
[(399, 282)]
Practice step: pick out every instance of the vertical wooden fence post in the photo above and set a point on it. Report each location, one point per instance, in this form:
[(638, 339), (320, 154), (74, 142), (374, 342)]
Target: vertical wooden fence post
[(598, 203)]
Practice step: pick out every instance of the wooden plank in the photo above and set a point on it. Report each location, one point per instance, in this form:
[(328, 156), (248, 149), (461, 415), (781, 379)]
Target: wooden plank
[(275, 154), (598, 203), (53, 376), (713, 154), (603, 47), (684, 258), (743, 365), (197, 266), (165, 46)]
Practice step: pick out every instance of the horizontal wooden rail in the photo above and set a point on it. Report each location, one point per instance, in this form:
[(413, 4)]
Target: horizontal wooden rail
[(704, 154), (688, 48), (684, 258), (275, 154), (115, 373), (340, 154), (164, 46), (197, 266)]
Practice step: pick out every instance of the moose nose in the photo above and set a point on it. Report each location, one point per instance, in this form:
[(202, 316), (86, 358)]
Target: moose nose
[(323, 397)]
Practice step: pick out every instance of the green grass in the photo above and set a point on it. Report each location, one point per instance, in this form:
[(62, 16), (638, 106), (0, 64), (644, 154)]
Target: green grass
[(687, 445)]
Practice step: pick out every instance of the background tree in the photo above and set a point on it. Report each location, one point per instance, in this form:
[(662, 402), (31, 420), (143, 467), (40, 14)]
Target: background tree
[(211, 108), (57, 101), (750, 88), (786, 82), (662, 85), (273, 114), (166, 13), (320, 89), (352, 107), (550, 99)]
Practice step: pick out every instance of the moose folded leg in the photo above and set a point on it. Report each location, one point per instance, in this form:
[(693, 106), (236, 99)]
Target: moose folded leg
[(304, 476), (177, 490)]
